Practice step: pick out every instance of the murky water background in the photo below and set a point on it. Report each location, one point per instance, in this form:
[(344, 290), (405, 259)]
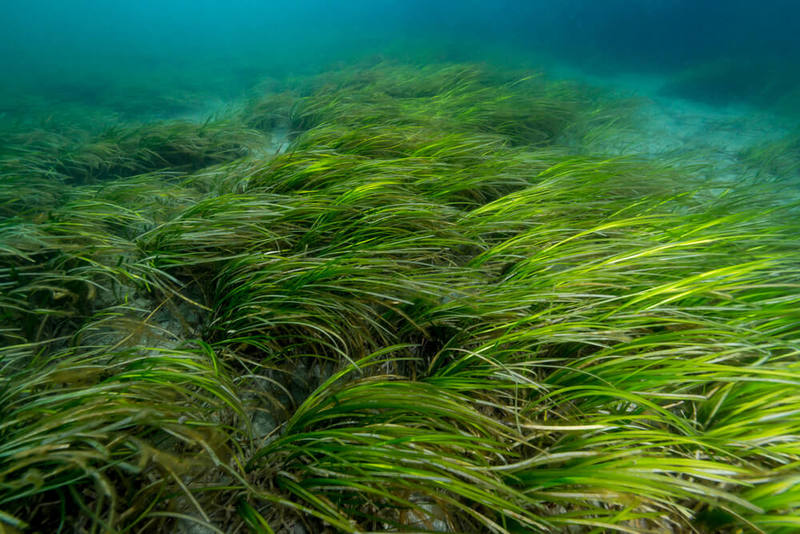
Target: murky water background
[(138, 59)]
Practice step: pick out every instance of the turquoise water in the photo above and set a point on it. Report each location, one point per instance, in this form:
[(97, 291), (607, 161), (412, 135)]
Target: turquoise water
[(701, 69), (110, 54)]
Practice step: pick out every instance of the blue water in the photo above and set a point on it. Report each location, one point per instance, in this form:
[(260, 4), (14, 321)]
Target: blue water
[(697, 64), (93, 46)]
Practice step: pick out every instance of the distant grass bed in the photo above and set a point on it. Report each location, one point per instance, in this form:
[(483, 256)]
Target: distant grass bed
[(435, 311)]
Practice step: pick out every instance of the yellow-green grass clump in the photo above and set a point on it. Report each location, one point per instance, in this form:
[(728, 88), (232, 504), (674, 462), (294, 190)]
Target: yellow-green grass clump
[(428, 313)]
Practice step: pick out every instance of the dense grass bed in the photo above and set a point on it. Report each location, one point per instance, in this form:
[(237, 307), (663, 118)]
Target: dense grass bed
[(435, 310)]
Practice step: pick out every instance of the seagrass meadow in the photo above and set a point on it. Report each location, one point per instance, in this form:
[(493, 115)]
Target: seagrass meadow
[(393, 297)]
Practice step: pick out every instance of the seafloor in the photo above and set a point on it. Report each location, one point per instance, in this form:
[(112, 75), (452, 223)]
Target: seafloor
[(392, 297)]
